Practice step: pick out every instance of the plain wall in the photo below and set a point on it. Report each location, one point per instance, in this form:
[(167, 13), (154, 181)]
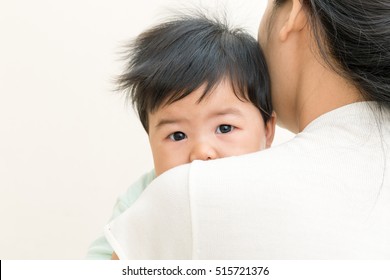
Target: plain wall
[(68, 144)]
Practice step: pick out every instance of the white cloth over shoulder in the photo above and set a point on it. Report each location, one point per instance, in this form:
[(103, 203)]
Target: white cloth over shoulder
[(147, 232), (323, 195)]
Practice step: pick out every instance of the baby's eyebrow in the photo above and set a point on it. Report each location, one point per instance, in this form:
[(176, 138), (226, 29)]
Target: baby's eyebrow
[(227, 111), (166, 121)]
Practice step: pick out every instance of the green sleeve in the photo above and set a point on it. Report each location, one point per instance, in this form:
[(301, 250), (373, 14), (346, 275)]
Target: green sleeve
[(100, 249)]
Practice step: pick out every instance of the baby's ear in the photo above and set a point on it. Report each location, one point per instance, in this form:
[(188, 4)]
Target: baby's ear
[(270, 130)]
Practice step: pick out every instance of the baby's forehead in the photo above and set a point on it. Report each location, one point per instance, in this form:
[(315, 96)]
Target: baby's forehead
[(203, 92), (218, 101)]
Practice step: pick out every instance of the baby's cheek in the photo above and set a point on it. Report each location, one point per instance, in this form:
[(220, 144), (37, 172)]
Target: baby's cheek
[(254, 141), (167, 162)]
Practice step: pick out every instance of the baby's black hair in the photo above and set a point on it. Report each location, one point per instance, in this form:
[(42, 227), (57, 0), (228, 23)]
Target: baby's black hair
[(169, 61)]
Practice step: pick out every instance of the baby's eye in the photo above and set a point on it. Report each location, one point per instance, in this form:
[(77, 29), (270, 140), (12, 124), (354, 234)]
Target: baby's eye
[(224, 128), (177, 136)]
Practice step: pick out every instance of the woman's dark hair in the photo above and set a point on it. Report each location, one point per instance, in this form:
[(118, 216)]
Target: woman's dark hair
[(169, 61), (353, 37)]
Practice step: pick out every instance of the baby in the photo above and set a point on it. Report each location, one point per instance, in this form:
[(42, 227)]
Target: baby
[(201, 90)]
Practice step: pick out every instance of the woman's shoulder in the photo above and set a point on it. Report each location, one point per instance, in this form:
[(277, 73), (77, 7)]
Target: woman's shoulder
[(272, 161)]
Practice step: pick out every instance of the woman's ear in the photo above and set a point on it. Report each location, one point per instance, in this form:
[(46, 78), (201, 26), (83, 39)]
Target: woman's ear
[(270, 130), (296, 19)]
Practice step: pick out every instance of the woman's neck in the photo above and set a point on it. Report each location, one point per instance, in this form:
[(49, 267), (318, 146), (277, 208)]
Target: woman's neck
[(322, 91)]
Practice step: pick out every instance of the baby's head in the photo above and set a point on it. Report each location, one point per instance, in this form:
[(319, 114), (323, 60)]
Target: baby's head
[(201, 91)]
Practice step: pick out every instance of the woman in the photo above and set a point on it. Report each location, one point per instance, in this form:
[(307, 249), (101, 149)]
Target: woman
[(324, 194)]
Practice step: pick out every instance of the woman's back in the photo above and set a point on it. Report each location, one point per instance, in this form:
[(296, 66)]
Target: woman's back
[(329, 199), (330, 196)]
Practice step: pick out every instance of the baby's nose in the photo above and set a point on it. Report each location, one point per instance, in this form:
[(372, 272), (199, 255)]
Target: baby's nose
[(203, 151)]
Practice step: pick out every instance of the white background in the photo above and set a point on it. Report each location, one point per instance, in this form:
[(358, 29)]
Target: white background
[(68, 144)]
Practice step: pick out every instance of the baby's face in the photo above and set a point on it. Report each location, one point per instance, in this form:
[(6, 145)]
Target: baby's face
[(219, 126)]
